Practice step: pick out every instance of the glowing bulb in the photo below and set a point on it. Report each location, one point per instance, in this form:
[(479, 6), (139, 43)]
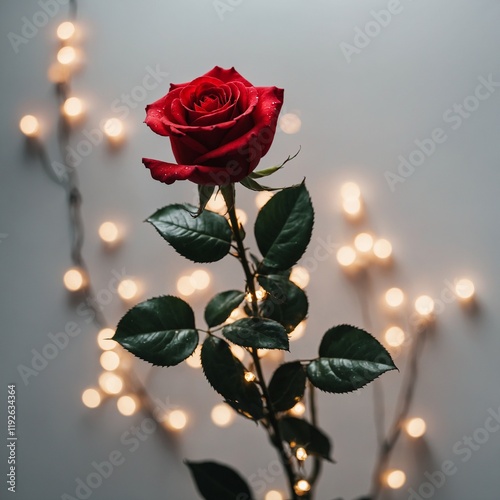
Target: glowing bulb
[(58, 73), (300, 276), (74, 279), (350, 191), (109, 360), (177, 420), (222, 415), (290, 123), (262, 198), (363, 242), (238, 352), (249, 376), (127, 405), (346, 256), (464, 288), (110, 383), (395, 479), (216, 204), (424, 305), (128, 289), (299, 409), (73, 106), (29, 125), (301, 454), (416, 427), (242, 216), (302, 486), (113, 128), (185, 286), (66, 55), (394, 297), (200, 279), (237, 313), (108, 231), (91, 398), (298, 332), (194, 361), (65, 30), (352, 206), (102, 339), (382, 249), (273, 495), (394, 336)]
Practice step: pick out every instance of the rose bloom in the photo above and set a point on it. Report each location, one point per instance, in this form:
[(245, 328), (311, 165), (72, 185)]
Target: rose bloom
[(219, 126)]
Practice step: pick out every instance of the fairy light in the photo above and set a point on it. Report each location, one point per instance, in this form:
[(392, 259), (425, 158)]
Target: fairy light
[(113, 128), (415, 427), (194, 361), (302, 486), (301, 454), (109, 360), (73, 107), (108, 232), (176, 420), (200, 279), (104, 339), (29, 125), (290, 123), (300, 276), (127, 289), (394, 336), (66, 55), (222, 415), (298, 331), (346, 256), (91, 398), (363, 242), (394, 297), (298, 410), (65, 30), (395, 479), (352, 207), (262, 198), (242, 216), (249, 376), (110, 383), (273, 495), (464, 289), (382, 249), (350, 191), (58, 73), (74, 279), (127, 405), (238, 352), (424, 305), (237, 313), (216, 204)]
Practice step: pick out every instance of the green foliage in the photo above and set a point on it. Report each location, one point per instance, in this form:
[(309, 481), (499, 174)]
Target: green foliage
[(349, 359), (221, 306), (205, 238), (287, 386), (160, 330), (258, 333)]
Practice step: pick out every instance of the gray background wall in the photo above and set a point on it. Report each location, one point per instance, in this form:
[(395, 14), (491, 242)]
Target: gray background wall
[(357, 118)]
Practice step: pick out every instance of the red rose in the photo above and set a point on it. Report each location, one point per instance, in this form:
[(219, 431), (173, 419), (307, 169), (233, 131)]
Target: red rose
[(219, 125)]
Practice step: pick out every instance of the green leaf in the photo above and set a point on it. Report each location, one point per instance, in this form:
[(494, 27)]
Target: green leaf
[(255, 186), (257, 332), (206, 238), (204, 193), (283, 227), (268, 171), (221, 306), (226, 375), (219, 482), (160, 330), (349, 359), (286, 303), (299, 433), (287, 386)]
